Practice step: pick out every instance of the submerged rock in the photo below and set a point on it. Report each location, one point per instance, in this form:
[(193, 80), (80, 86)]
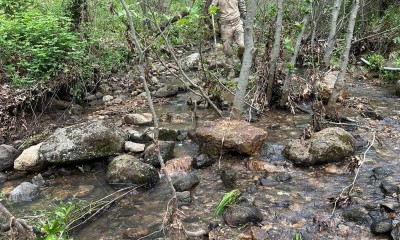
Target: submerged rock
[(126, 169), (24, 192), (82, 142), (238, 215), (166, 150), (186, 182), (167, 134), (329, 145), (236, 136), (29, 159), (7, 156), (229, 177), (382, 226)]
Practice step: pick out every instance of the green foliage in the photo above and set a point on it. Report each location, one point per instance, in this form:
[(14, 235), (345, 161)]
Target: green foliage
[(377, 62), (11, 7), (37, 46), (288, 45), (56, 225), (298, 236), (231, 197)]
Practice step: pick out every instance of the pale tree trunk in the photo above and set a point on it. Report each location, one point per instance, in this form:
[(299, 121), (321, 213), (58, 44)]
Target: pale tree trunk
[(142, 62), (288, 77), (238, 102), (339, 84), (332, 33), (275, 50)]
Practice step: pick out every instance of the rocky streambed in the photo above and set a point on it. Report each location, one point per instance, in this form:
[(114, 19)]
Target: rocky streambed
[(289, 186)]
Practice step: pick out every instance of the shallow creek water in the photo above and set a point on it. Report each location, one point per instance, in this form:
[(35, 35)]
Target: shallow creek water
[(297, 206)]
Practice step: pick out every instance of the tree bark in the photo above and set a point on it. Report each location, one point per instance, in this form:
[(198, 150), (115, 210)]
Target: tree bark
[(239, 99), (332, 33), (339, 84), (288, 77), (275, 51), (26, 233)]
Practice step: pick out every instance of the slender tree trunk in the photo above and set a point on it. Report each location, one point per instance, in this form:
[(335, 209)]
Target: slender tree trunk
[(339, 84), (142, 62), (275, 51), (286, 83), (332, 33), (238, 102)]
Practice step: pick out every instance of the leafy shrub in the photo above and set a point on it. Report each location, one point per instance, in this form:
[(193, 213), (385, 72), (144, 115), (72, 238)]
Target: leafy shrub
[(37, 46), (377, 62)]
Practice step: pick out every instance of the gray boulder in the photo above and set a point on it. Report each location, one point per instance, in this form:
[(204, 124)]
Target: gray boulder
[(7, 156), (138, 137), (24, 192), (382, 226), (138, 118), (82, 142), (329, 145), (126, 169), (166, 91), (239, 215), (166, 150)]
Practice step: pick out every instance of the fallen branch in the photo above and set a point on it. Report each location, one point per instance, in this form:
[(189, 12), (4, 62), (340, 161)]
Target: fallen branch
[(19, 224), (384, 68)]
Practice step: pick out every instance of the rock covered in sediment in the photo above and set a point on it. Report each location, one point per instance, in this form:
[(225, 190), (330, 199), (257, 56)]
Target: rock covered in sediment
[(7, 156), (329, 145), (239, 215), (234, 135), (166, 150), (138, 118), (184, 198), (179, 166), (82, 142), (24, 192), (186, 182), (127, 169), (166, 91), (29, 159)]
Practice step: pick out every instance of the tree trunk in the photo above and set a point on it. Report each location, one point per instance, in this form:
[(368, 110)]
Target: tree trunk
[(332, 33), (238, 102), (339, 84), (286, 83), (275, 51)]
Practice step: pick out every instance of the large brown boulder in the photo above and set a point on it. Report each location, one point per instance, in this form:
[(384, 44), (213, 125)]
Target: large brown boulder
[(329, 145), (233, 135)]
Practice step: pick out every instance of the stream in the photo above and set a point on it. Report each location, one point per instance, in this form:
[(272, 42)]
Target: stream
[(299, 205)]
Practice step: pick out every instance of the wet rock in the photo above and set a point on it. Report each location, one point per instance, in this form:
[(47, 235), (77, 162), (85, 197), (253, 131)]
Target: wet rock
[(166, 91), (138, 118), (191, 61), (134, 147), (108, 98), (186, 182), (238, 215), (29, 159), (203, 161), (389, 188), (184, 198), (381, 172), (139, 137), (7, 156), (356, 214), (229, 177), (129, 170), (179, 166), (182, 135), (38, 180), (283, 177), (166, 134), (236, 136), (268, 183), (390, 206), (325, 86), (273, 152), (76, 109), (82, 142), (395, 233), (374, 114), (90, 97), (166, 150), (329, 145), (382, 226), (398, 88), (24, 192)]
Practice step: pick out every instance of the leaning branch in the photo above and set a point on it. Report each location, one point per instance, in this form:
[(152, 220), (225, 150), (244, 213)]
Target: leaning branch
[(22, 228), (384, 68)]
